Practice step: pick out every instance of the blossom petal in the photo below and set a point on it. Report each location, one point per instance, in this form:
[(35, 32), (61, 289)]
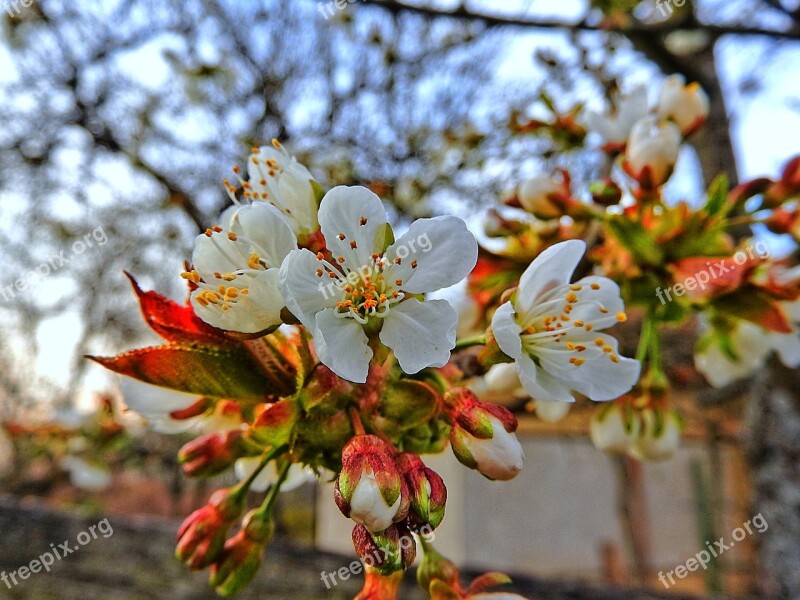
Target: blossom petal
[(597, 375), (788, 348), (264, 226), (341, 345), (255, 311), (536, 382), (217, 254), (151, 400), (305, 293), (358, 215), (287, 187), (552, 268), (540, 384), (422, 334), (443, 250), (599, 303), (507, 331), (750, 344)]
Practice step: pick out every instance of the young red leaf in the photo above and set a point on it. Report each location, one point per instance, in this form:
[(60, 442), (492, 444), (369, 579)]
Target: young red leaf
[(216, 372), (174, 322)]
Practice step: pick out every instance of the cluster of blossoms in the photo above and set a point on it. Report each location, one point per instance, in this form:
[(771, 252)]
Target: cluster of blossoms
[(310, 344), (745, 304)]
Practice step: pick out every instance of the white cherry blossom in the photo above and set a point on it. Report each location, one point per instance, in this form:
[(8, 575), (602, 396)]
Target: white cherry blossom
[(751, 346), (551, 330), (276, 178), (686, 105), (615, 124), (366, 287), (156, 404), (652, 151), (236, 269)]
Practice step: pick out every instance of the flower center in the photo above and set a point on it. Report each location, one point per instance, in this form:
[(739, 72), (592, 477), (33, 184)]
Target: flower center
[(551, 322), (364, 292)]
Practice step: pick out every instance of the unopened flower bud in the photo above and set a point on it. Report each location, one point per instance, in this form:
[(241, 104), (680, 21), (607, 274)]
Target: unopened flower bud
[(202, 534), (482, 436), (241, 557), (614, 428), (660, 437), (426, 490), (605, 192), (539, 195), (274, 425), (652, 152), (783, 221), (686, 105), (550, 197), (369, 488), (744, 191), (385, 552), (211, 454)]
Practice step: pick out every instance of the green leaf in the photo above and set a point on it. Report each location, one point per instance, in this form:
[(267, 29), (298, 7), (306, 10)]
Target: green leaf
[(635, 238), (717, 194)]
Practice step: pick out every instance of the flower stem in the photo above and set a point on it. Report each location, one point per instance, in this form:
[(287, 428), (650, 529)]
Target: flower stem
[(476, 341), (355, 418), (244, 486), (269, 501), (644, 339)]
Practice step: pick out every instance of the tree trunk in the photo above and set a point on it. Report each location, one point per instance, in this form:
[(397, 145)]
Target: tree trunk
[(773, 420)]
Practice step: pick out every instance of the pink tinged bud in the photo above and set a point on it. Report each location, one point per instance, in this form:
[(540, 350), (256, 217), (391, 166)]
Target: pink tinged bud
[(686, 105), (274, 425), (660, 437), (498, 458), (385, 552), (240, 558), (369, 488), (483, 437), (237, 565), (652, 152), (211, 454), (614, 428), (427, 492), (368, 505), (202, 534)]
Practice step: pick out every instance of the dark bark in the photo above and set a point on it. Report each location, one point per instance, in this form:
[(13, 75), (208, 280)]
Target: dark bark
[(774, 454)]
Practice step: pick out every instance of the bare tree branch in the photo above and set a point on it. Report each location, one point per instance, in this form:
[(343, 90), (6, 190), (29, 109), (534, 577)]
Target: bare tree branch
[(656, 29)]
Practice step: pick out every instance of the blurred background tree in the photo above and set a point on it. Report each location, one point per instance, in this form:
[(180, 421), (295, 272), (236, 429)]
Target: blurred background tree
[(127, 115)]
